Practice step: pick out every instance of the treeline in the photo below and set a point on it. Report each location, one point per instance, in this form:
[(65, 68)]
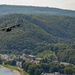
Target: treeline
[(56, 52), (37, 69), (51, 52), (11, 9)]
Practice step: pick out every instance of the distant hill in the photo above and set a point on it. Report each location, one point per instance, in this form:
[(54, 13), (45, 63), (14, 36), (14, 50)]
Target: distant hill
[(11, 9), (35, 30), (27, 36)]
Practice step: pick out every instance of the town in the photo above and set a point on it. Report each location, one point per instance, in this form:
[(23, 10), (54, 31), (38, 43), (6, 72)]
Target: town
[(20, 58), (29, 58)]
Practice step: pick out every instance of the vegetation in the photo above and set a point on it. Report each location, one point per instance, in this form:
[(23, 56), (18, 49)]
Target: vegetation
[(13, 63), (34, 69), (1, 61), (37, 69), (61, 52), (50, 37)]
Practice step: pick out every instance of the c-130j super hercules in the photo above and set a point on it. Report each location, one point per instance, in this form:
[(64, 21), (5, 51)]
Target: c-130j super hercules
[(9, 28)]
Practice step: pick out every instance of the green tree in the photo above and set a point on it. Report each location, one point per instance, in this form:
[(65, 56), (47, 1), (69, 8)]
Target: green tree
[(38, 71), (0, 61), (13, 63), (45, 67), (31, 69), (68, 71), (26, 65)]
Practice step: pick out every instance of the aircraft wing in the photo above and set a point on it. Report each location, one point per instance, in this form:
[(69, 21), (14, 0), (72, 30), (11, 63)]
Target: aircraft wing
[(9, 27), (2, 29), (14, 26)]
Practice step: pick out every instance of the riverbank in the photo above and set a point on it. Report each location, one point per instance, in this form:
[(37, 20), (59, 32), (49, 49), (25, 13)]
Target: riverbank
[(15, 69), (18, 73)]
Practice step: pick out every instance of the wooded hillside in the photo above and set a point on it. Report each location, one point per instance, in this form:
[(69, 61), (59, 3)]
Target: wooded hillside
[(39, 33)]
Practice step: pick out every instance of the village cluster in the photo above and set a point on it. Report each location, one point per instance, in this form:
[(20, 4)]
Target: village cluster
[(26, 57)]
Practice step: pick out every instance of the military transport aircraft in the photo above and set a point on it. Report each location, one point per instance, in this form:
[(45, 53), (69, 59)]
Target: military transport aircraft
[(9, 28)]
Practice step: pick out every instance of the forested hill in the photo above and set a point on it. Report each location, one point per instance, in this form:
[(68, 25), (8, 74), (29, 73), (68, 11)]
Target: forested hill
[(35, 30), (39, 34), (10, 9)]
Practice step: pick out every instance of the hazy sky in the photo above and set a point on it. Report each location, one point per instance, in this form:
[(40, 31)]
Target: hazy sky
[(65, 4)]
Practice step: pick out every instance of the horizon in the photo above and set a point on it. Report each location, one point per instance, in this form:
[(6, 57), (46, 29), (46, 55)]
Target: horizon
[(61, 4), (37, 6)]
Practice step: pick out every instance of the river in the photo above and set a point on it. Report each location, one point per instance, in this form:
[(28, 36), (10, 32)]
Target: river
[(6, 71)]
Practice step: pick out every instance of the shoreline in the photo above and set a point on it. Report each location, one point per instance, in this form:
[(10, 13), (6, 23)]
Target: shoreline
[(17, 72)]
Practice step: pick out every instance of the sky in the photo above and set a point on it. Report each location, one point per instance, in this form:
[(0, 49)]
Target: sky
[(63, 4)]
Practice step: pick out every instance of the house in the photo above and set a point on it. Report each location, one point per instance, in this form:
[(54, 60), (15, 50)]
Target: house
[(38, 60), (55, 73), (32, 58), (4, 56), (19, 64), (64, 63)]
